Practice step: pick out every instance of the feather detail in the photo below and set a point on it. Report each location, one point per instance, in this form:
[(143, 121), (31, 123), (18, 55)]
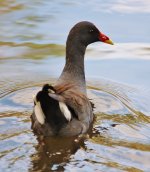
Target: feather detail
[(39, 113), (51, 91), (64, 109), (34, 98)]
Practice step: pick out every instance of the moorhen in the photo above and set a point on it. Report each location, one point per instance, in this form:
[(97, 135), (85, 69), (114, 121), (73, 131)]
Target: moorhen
[(64, 109)]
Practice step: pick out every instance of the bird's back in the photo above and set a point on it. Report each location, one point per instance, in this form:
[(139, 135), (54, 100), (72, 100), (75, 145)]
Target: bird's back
[(61, 110)]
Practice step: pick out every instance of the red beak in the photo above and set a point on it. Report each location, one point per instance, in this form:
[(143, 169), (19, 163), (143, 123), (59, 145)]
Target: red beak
[(105, 39)]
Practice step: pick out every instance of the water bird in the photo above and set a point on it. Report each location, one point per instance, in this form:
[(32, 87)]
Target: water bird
[(64, 108)]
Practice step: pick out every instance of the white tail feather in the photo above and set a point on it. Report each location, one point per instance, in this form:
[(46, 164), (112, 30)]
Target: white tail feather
[(64, 109), (39, 113), (34, 97)]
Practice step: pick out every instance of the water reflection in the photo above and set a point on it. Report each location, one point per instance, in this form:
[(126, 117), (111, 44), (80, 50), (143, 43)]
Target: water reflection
[(118, 141), (53, 153)]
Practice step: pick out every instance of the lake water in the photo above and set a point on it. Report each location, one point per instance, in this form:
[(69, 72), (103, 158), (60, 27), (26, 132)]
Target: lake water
[(32, 51)]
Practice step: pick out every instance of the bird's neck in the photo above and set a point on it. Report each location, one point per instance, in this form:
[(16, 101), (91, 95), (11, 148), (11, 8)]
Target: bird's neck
[(73, 71)]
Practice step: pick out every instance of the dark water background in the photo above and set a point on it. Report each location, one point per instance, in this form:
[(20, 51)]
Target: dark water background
[(32, 51)]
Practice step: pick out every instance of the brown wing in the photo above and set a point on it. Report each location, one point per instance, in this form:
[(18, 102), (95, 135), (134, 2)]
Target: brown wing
[(69, 94)]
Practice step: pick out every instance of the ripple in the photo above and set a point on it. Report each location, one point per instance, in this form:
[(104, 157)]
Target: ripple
[(116, 130)]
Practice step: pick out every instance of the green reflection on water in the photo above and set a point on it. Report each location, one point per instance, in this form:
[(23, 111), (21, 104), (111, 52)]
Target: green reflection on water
[(33, 51)]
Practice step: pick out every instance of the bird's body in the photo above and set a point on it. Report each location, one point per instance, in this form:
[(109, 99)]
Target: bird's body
[(64, 109), (56, 122)]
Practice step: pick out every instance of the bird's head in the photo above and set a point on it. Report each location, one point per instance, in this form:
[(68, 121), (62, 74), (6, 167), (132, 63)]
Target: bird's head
[(87, 33)]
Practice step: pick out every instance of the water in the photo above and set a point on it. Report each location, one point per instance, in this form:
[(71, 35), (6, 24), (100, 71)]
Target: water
[(32, 46)]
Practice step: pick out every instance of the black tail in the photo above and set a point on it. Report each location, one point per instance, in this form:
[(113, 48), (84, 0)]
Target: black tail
[(50, 107)]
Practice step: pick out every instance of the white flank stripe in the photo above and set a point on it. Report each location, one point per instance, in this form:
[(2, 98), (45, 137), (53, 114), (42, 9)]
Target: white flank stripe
[(51, 91), (39, 113), (64, 109)]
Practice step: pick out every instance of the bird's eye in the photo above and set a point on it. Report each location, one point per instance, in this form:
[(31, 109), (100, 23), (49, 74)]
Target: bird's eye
[(91, 30)]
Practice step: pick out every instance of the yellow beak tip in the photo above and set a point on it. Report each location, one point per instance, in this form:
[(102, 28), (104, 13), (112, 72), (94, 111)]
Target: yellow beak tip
[(109, 42)]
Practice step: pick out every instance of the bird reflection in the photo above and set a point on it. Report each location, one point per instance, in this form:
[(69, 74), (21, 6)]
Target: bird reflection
[(55, 151)]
